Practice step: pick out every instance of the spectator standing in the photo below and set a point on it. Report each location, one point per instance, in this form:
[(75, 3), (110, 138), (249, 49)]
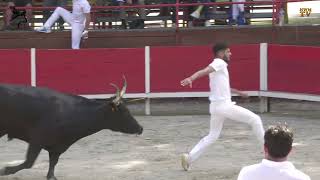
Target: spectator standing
[(79, 20)]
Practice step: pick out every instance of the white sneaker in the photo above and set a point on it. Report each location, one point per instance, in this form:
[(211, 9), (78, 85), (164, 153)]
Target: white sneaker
[(195, 14), (185, 161), (85, 34), (43, 30)]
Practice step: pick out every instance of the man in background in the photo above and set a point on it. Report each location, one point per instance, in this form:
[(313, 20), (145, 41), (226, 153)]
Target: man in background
[(11, 11), (79, 20), (277, 145)]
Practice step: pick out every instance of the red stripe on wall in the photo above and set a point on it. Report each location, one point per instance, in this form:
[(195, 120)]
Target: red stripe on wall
[(294, 69), (15, 66), (89, 71)]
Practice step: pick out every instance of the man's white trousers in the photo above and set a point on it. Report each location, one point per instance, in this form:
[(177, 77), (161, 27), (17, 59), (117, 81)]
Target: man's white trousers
[(77, 28), (221, 111)]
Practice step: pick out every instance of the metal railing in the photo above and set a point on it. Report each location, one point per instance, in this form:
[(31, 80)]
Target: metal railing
[(274, 3)]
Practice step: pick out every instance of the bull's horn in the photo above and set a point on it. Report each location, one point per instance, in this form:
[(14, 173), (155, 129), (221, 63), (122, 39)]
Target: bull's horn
[(124, 88), (117, 99)]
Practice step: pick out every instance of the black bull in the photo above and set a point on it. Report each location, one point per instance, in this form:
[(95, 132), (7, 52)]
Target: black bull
[(53, 121)]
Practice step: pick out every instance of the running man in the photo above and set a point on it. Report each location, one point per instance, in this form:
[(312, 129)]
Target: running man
[(79, 20), (221, 106)]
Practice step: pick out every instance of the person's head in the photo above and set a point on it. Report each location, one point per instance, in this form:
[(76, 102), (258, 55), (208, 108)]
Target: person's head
[(278, 142), (222, 51)]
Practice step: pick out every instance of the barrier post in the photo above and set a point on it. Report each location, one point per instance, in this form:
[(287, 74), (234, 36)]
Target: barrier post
[(147, 80), (33, 67), (264, 101)]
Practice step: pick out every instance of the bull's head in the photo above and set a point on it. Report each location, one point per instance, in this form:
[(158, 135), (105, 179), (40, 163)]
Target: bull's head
[(123, 121)]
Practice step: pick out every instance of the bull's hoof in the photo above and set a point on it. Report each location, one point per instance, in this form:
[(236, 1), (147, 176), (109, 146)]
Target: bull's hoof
[(52, 178), (3, 172)]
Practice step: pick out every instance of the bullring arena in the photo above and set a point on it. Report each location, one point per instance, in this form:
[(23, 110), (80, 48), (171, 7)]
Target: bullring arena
[(278, 66), (177, 117)]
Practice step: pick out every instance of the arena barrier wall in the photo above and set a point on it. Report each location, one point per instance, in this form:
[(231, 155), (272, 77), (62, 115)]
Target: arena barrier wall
[(294, 69), (15, 66), (169, 65), (90, 71), (155, 72)]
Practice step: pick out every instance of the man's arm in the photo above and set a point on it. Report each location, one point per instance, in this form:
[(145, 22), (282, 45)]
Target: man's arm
[(196, 75), (241, 93)]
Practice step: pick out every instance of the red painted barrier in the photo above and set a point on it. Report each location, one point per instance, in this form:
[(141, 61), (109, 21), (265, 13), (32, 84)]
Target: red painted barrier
[(169, 65), (89, 71), (15, 66), (244, 67), (294, 69)]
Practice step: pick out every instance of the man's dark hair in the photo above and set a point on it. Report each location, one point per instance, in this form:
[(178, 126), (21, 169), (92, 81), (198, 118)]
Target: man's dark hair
[(219, 46), (278, 140)]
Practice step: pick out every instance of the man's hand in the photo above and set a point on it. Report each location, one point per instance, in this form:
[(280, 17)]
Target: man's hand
[(84, 35), (243, 94), (187, 81)]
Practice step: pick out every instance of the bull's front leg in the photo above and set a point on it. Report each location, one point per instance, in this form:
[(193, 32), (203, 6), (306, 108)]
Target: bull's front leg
[(32, 154), (53, 157)]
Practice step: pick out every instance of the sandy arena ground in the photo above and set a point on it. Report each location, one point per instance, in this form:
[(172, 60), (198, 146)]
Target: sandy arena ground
[(169, 132)]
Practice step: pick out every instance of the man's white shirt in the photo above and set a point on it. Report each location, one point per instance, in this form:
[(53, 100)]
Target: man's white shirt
[(270, 170), (79, 8), (219, 81)]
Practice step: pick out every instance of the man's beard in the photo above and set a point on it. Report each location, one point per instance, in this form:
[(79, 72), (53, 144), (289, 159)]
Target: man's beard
[(226, 59)]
